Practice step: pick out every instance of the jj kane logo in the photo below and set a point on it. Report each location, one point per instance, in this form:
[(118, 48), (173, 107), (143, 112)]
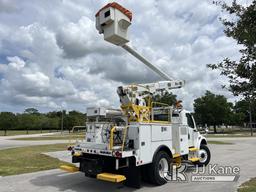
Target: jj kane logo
[(211, 173)]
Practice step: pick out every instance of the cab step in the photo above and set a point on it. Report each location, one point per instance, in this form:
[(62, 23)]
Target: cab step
[(194, 159), (115, 178), (175, 155), (68, 168), (192, 149)]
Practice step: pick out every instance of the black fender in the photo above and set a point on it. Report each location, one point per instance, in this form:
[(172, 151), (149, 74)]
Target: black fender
[(203, 142), (162, 148)]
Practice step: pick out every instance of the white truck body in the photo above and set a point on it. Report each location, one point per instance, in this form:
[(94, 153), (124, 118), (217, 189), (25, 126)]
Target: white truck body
[(177, 135)]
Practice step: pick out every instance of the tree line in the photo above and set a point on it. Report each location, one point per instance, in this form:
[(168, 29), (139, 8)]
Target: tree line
[(32, 119), (214, 110)]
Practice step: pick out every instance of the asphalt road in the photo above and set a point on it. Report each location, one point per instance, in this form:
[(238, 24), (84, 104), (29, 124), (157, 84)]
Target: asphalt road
[(242, 154)]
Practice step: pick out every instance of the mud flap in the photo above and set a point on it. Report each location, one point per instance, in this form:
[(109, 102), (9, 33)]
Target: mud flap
[(133, 176)]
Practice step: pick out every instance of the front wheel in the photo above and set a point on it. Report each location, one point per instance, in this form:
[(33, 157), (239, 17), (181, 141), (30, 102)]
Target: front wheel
[(159, 168), (204, 156)]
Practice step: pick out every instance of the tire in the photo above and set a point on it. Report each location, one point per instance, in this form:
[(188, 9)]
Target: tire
[(160, 165), (204, 155)]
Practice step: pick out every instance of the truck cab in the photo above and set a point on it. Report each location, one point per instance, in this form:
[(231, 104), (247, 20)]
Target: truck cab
[(191, 137)]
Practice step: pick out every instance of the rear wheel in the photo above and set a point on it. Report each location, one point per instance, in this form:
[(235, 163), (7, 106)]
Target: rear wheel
[(159, 168)]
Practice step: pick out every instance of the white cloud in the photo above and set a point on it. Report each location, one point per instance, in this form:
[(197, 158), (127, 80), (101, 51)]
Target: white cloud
[(52, 57), (38, 79), (81, 38), (16, 62)]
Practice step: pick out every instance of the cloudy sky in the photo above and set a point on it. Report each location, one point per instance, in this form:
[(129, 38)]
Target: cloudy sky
[(52, 57)]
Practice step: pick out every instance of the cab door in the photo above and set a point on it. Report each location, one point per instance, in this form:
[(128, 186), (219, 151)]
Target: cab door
[(191, 129)]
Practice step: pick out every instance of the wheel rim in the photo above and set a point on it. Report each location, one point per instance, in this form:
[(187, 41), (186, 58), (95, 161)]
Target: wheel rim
[(163, 167), (203, 156)]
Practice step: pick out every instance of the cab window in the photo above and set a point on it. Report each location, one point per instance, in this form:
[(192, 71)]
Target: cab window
[(190, 120)]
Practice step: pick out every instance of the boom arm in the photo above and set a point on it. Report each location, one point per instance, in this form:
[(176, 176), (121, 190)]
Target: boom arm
[(113, 21), (146, 62)]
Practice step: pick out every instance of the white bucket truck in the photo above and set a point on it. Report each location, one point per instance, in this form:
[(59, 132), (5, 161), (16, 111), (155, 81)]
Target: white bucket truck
[(143, 138)]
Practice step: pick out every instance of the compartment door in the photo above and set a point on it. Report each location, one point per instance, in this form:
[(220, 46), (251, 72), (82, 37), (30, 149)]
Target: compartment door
[(161, 132)]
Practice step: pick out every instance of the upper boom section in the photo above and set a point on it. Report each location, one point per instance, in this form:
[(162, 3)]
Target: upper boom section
[(146, 62), (113, 21)]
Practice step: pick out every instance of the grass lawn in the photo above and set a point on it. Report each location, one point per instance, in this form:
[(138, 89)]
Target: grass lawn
[(64, 136), (29, 159), (249, 186), (220, 143)]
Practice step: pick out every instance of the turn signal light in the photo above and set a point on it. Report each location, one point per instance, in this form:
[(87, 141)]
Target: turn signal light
[(118, 154)]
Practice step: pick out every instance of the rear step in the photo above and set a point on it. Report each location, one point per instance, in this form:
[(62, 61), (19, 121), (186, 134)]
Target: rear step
[(68, 168), (111, 177)]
